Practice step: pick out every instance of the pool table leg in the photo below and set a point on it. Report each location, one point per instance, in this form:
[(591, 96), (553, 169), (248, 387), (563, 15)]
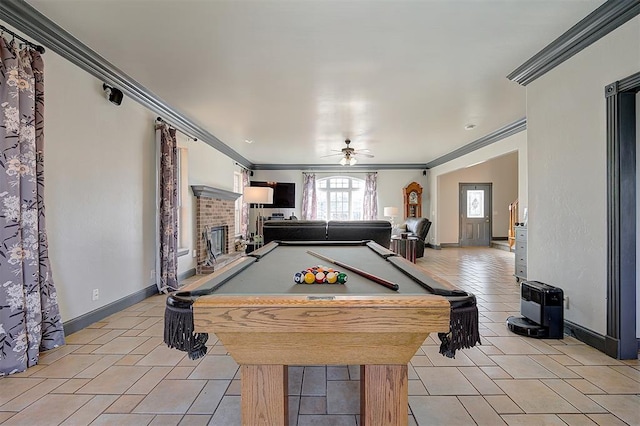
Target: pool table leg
[(384, 395), (263, 397)]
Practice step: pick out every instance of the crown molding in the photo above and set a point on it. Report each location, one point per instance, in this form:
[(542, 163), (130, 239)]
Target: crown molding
[(34, 24), (501, 133), (337, 167), (596, 25)]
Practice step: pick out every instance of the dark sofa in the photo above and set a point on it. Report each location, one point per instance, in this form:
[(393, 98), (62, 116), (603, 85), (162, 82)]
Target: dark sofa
[(418, 227), (294, 230), (334, 230), (357, 230)]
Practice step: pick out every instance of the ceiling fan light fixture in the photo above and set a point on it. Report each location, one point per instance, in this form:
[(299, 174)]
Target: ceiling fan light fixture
[(349, 154)]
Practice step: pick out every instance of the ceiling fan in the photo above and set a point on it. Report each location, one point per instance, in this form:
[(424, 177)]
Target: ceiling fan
[(349, 154)]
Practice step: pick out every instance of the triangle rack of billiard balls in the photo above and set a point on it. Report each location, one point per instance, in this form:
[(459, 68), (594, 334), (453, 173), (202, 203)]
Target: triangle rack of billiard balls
[(320, 275)]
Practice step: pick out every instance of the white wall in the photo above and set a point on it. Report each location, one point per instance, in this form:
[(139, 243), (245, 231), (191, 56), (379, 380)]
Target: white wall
[(391, 194), (100, 189), (501, 172), (567, 238), (99, 196), (514, 143)]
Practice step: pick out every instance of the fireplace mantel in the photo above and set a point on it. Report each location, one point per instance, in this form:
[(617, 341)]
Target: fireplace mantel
[(209, 192)]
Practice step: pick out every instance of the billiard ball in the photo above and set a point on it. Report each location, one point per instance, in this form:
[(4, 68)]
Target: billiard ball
[(331, 277), (320, 277), (342, 278), (309, 278), (298, 278)]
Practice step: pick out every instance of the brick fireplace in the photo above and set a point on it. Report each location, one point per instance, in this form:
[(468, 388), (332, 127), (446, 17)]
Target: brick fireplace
[(215, 208)]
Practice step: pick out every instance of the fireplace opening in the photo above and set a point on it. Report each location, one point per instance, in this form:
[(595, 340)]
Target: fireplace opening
[(218, 240), (215, 239)]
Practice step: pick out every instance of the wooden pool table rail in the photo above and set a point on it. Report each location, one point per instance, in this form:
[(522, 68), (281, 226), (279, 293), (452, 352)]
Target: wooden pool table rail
[(293, 330)]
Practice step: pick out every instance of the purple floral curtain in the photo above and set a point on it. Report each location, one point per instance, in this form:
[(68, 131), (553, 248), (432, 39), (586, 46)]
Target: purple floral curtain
[(29, 315), (309, 202), (245, 206), (168, 194), (370, 208)]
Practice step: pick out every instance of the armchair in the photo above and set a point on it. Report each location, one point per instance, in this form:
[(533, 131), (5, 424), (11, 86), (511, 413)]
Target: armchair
[(418, 227)]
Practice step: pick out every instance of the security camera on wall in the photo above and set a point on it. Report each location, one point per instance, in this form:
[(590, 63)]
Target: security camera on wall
[(114, 95)]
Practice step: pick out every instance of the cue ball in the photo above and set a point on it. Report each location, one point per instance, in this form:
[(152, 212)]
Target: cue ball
[(342, 278)]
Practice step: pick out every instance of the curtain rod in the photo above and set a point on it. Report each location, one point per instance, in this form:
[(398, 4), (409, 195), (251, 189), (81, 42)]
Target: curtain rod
[(37, 47), (178, 130), (242, 166)]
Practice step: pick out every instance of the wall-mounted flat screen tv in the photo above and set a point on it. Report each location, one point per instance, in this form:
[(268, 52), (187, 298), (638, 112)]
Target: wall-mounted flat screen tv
[(284, 194)]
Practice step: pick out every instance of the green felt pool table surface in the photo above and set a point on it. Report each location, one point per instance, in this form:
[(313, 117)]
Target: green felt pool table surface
[(272, 271)]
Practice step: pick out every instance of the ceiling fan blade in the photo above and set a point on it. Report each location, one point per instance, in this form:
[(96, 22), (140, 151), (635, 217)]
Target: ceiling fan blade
[(349, 152)]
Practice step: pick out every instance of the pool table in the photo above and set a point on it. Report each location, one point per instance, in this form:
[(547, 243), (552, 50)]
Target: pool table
[(267, 322)]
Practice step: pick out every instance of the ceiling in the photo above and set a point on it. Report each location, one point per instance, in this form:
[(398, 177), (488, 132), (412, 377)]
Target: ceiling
[(400, 78)]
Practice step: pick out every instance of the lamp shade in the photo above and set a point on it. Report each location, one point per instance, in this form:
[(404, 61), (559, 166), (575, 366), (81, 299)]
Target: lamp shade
[(391, 211), (257, 195)]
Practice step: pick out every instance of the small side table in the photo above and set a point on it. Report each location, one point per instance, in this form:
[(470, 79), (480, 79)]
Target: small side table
[(405, 247)]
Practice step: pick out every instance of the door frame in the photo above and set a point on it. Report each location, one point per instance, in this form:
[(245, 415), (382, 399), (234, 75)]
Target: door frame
[(621, 341)]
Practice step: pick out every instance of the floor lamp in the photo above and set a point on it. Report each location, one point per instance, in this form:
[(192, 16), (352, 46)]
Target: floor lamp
[(258, 196)]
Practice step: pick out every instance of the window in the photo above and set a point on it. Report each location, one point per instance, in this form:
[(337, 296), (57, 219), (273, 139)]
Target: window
[(237, 187), (183, 193), (475, 204), (340, 198)]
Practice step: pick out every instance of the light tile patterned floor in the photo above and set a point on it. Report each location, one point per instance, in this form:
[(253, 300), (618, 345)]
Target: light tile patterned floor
[(118, 371)]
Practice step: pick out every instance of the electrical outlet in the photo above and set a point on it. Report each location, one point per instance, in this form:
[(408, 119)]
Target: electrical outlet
[(194, 253), (566, 302), (152, 274), (95, 295)]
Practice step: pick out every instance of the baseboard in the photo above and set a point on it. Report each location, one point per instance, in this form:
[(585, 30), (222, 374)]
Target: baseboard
[(433, 246), (83, 321), (614, 349), (499, 238), (186, 274), (444, 245), (585, 335)]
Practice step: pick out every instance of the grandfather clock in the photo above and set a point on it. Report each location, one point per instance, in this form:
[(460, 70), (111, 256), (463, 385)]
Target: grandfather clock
[(413, 200)]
